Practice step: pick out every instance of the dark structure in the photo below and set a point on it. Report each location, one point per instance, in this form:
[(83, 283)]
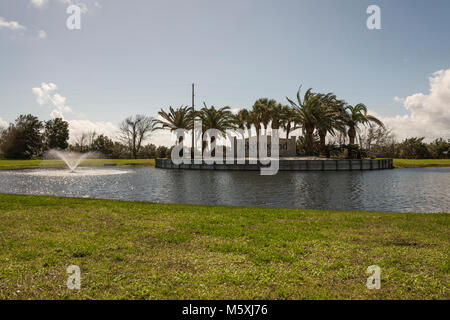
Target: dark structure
[(288, 165)]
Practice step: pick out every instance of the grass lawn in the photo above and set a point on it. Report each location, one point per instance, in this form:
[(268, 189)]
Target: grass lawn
[(420, 163), (32, 164), (139, 250)]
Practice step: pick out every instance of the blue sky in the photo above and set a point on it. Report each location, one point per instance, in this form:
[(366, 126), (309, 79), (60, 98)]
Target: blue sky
[(139, 56)]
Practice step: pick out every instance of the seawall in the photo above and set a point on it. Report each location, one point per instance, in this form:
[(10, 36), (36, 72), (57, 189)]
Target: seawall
[(288, 165)]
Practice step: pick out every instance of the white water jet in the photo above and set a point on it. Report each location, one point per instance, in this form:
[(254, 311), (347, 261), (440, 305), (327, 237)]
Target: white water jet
[(80, 172), (70, 158)]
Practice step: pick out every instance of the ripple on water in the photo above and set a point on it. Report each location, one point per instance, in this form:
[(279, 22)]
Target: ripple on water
[(80, 172), (406, 190)]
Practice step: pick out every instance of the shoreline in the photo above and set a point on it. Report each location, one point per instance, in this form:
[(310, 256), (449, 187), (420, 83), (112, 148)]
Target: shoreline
[(43, 164), (55, 164)]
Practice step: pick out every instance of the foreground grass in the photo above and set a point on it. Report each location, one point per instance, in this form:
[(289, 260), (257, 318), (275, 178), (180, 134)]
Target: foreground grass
[(34, 164), (138, 250), (421, 163)]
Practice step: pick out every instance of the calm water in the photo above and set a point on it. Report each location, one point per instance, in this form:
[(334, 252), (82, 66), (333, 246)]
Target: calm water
[(405, 190)]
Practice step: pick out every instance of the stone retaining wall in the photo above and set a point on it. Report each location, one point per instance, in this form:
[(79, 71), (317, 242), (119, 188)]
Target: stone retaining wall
[(289, 165)]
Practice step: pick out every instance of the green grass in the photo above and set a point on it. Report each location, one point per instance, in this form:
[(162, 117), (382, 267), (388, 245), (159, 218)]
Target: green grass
[(34, 164), (133, 250), (421, 163)]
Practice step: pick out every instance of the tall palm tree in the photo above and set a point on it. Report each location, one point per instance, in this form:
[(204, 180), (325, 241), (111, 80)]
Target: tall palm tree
[(277, 115), (262, 108), (249, 122), (288, 118), (254, 118), (180, 118), (219, 119), (356, 115), (329, 118), (306, 112), (240, 120)]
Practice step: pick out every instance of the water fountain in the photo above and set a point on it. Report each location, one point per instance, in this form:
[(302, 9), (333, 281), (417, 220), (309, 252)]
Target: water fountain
[(70, 158), (73, 160)]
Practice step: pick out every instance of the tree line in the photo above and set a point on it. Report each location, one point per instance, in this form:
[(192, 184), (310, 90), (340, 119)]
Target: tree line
[(330, 128), (316, 114), (352, 132), (30, 138)]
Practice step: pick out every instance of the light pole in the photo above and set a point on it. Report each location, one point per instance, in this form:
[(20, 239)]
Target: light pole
[(193, 123)]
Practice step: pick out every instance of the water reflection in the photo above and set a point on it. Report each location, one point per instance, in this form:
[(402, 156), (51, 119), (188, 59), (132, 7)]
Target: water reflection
[(406, 190)]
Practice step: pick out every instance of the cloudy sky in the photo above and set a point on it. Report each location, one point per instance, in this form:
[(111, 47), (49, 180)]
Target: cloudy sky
[(138, 56)]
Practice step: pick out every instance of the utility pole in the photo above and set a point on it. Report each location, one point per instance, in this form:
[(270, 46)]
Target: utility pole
[(193, 119)]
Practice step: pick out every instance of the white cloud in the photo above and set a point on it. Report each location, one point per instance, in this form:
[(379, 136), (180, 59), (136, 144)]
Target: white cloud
[(399, 100), (12, 25), (428, 114), (82, 4), (235, 110), (44, 94), (38, 3), (56, 114), (42, 34), (3, 124), (77, 127), (162, 138)]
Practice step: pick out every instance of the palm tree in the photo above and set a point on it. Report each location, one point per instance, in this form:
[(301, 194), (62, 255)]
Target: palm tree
[(358, 115), (180, 118), (329, 118), (262, 108), (254, 117), (305, 115), (219, 119), (240, 120), (248, 122), (277, 115), (288, 117)]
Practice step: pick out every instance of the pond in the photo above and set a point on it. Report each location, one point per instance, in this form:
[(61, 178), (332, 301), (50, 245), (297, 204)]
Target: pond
[(400, 190)]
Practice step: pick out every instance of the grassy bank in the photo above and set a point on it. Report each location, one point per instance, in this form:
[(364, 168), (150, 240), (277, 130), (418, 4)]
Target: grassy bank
[(35, 164), (421, 163), (155, 251)]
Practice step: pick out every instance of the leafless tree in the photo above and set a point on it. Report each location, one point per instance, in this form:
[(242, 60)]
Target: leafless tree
[(134, 130), (85, 139)]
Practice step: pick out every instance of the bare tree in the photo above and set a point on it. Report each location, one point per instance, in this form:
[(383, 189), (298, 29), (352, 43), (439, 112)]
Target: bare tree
[(135, 130), (84, 140)]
